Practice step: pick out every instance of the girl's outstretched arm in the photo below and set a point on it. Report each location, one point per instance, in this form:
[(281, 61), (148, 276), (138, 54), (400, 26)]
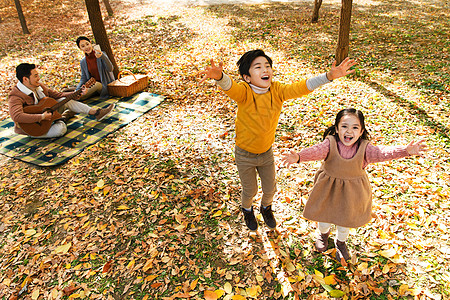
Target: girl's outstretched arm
[(214, 71), (290, 158), (342, 70), (376, 154), (416, 148), (315, 152)]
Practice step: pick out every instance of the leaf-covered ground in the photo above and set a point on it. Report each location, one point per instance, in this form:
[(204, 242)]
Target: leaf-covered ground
[(152, 212)]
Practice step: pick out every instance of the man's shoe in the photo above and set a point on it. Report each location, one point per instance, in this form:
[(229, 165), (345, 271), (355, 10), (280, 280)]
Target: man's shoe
[(67, 115), (341, 251), (268, 217), (102, 113), (250, 220), (322, 242)]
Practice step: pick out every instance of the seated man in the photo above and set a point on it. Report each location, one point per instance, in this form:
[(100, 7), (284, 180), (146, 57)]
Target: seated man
[(29, 91)]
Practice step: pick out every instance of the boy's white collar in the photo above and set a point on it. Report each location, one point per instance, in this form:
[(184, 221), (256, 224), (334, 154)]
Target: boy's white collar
[(258, 90)]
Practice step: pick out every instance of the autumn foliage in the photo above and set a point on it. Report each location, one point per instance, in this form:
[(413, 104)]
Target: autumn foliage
[(152, 212)]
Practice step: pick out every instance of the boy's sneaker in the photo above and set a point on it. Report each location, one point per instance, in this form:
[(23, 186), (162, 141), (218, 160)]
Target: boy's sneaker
[(250, 220), (268, 216), (322, 241), (341, 251), (102, 113)]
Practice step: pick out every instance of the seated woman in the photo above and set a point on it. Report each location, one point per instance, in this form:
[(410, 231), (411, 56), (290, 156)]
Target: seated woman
[(95, 64)]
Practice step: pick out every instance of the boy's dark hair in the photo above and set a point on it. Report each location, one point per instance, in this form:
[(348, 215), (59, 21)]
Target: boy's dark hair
[(347, 111), (24, 70), (246, 60), (81, 38)]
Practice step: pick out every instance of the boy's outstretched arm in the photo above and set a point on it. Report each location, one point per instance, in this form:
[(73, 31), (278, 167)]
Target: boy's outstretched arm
[(213, 71), (416, 148), (342, 70)]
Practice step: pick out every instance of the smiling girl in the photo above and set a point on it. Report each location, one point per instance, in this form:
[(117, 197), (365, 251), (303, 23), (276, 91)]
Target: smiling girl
[(341, 194), (95, 64), (259, 101)]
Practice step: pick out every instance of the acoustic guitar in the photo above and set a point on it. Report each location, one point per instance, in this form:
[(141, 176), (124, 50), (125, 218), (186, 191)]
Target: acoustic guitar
[(50, 105)]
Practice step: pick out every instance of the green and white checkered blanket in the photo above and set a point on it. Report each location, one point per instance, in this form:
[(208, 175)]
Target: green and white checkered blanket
[(82, 131)]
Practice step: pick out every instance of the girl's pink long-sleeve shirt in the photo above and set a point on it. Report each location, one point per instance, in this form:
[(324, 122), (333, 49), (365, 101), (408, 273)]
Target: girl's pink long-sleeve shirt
[(373, 154)]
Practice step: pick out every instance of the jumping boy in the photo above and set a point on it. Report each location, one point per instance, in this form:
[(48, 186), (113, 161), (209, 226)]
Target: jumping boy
[(259, 103)]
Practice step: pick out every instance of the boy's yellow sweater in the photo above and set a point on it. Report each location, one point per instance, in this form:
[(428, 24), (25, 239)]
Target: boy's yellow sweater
[(257, 115)]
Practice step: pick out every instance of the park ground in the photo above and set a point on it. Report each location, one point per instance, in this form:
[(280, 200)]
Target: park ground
[(152, 211)]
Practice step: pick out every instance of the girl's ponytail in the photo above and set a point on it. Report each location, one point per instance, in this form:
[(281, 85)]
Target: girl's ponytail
[(329, 131)]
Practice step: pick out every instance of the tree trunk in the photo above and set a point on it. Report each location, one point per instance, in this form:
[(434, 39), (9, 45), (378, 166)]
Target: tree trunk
[(344, 31), (23, 23), (108, 7), (99, 31), (315, 15)]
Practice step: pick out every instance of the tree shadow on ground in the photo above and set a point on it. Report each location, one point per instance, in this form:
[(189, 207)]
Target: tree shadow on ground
[(390, 40), (441, 129)]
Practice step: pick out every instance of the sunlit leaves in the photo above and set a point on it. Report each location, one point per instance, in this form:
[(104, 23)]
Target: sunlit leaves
[(122, 207), (63, 249), (152, 212), (228, 288), (210, 295)]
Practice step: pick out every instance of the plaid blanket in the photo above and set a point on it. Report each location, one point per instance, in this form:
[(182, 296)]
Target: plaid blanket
[(82, 131)]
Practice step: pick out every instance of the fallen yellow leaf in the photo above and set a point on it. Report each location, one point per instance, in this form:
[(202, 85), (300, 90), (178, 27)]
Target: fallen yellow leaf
[(131, 264), (6, 281), (318, 273), (218, 213), (252, 291), (106, 190), (100, 183), (35, 294), (388, 253), (148, 265), (290, 267), (228, 288), (194, 283), (150, 277), (398, 259), (330, 280), (63, 249), (403, 289), (415, 291), (30, 232), (54, 293), (210, 295), (219, 293), (362, 266)]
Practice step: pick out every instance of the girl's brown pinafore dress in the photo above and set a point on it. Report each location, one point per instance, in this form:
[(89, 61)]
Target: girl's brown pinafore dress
[(341, 194)]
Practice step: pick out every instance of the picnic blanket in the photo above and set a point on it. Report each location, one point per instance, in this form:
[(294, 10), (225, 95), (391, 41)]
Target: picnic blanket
[(82, 131)]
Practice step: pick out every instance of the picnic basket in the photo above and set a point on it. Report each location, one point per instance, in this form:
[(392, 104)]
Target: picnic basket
[(127, 85)]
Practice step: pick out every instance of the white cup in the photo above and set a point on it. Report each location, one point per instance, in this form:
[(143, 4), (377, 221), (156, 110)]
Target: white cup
[(97, 49)]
